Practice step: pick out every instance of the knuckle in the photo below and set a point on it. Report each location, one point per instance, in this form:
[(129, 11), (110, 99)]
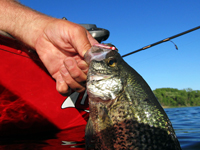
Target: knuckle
[(63, 89), (76, 74), (78, 29), (70, 82)]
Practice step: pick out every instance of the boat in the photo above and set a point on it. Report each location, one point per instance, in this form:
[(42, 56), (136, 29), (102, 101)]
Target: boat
[(29, 101)]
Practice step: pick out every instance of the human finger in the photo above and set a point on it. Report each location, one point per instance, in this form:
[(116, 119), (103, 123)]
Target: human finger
[(71, 82), (83, 66), (91, 39), (79, 39), (62, 87), (75, 72)]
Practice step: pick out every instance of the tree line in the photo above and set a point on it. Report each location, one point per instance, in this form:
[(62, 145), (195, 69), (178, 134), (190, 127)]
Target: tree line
[(173, 97)]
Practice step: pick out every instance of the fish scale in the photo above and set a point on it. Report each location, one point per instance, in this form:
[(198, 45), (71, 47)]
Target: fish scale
[(124, 113)]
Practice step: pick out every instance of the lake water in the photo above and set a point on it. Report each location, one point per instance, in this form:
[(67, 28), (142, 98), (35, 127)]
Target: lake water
[(186, 122)]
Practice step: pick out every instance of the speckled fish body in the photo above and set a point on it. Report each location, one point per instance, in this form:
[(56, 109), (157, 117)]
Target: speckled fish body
[(124, 113)]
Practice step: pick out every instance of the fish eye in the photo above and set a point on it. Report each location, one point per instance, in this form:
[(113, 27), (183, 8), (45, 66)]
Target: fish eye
[(112, 62)]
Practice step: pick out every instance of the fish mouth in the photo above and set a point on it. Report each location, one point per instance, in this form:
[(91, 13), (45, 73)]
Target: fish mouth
[(98, 77), (103, 87)]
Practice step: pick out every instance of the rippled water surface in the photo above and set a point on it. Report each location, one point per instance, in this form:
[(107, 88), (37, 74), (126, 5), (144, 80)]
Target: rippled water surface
[(186, 122)]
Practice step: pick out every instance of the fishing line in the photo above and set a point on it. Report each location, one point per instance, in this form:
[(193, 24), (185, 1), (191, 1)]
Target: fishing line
[(165, 40)]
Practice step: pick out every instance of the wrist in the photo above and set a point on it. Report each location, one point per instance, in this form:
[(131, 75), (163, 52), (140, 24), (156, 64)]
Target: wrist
[(34, 28)]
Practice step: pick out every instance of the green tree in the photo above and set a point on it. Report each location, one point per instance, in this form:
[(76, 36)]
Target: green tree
[(174, 97)]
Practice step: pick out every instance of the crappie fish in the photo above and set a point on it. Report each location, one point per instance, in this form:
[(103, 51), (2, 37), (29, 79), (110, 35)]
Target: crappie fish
[(124, 113)]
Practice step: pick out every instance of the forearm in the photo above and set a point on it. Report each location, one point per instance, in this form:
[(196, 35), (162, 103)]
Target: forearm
[(21, 22)]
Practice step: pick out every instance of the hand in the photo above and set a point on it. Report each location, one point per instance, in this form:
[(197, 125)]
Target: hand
[(61, 47)]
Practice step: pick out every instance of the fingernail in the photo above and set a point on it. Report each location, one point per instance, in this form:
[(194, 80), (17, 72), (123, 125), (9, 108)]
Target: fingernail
[(83, 65)]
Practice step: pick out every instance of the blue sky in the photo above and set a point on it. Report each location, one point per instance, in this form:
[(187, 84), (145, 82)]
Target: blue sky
[(135, 24)]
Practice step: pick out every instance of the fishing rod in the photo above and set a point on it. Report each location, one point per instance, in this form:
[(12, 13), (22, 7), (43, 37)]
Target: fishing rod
[(165, 40)]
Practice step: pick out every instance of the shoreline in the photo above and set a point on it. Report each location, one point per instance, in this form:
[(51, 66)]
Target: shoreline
[(176, 106)]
